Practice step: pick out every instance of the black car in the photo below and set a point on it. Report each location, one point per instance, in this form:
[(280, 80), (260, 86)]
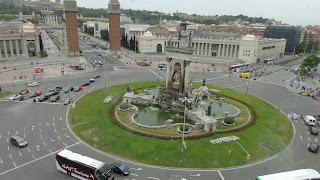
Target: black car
[(120, 169), (48, 95), (18, 141), (69, 89), (66, 101), (43, 98), (53, 93), (96, 76), (313, 130), (54, 98), (85, 84), (313, 147)]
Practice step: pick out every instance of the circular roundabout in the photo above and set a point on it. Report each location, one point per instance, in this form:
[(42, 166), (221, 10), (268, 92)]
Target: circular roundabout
[(105, 120)]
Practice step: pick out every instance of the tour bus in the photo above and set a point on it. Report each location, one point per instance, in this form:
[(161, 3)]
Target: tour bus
[(302, 174), (235, 68), (162, 66), (82, 167), (269, 61)]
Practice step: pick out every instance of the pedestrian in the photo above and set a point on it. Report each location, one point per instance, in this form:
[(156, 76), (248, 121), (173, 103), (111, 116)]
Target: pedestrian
[(34, 100)]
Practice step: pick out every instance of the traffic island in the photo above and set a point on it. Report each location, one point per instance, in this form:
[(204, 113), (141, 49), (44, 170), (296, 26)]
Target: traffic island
[(271, 128)]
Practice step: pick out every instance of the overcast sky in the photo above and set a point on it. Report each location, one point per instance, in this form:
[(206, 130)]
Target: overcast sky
[(295, 12)]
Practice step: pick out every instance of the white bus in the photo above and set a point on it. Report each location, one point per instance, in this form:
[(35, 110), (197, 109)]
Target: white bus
[(82, 167), (301, 174)]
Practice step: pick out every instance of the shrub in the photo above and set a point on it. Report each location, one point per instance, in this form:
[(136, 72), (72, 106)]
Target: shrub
[(219, 95), (124, 106), (186, 128), (229, 120)]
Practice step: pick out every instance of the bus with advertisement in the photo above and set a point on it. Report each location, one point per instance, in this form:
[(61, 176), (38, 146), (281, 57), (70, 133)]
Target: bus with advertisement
[(82, 167), (236, 67), (269, 61)]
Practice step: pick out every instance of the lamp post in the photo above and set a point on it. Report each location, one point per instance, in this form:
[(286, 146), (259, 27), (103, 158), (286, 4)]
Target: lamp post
[(184, 125)]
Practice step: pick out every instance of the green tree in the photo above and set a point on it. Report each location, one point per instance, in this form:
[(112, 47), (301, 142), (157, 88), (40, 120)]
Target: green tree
[(104, 35), (33, 20), (311, 62), (89, 30)]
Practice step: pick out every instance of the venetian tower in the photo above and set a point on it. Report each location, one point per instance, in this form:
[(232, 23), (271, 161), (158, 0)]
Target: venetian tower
[(114, 25), (71, 11)]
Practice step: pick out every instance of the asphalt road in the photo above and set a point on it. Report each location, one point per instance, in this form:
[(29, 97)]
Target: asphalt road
[(41, 124)]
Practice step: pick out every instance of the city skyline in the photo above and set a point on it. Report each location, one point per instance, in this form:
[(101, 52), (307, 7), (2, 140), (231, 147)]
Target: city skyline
[(284, 12)]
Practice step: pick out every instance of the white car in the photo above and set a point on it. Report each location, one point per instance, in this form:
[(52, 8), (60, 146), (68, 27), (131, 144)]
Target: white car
[(33, 84), (15, 97)]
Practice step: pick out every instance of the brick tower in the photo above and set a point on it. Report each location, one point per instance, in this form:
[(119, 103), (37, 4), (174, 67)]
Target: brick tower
[(71, 12), (114, 24)]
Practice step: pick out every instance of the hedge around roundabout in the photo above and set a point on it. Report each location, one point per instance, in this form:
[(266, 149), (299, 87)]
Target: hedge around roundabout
[(270, 127)]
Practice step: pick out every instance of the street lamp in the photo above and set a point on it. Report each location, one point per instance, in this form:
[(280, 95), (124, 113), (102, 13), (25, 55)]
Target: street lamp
[(184, 124)]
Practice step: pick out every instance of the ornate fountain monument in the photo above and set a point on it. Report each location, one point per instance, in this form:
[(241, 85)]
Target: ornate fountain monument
[(178, 86)]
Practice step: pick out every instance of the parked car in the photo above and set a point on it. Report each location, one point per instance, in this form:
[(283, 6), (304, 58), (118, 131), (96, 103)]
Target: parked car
[(55, 98), (53, 93), (85, 84), (66, 101), (18, 141), (33, 84), (69, 89), (313, 147), (91, 80), (120, 169), (35, 94), (15, 97), (79, 88), (313, 130), (23, 92), (96, 76)]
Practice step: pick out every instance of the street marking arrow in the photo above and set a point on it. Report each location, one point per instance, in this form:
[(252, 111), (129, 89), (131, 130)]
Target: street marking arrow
[(32, 128), (38, 148), (60, 119), (47, 123), (20, 153), (52, 139), (1, 161), (316, 139), (138, 169), (301, 137), (196, 175)]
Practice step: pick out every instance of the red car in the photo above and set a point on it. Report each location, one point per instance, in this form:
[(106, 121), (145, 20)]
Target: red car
[(35, 94), (79, 88)]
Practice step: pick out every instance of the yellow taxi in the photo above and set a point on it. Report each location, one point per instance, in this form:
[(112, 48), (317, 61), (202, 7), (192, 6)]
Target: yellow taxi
[(23, 92), (244, 75)]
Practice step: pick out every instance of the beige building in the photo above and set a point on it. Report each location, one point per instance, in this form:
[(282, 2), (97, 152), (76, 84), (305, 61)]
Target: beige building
[(219, 46), (97, 25), (41, 5), (19, 40)]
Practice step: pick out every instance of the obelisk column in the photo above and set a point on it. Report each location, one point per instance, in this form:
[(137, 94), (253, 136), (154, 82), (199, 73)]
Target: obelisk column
[(71, 11), (114, 25)]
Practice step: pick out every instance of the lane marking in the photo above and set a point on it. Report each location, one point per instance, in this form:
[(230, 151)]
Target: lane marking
[(306, 127), (40, 130), (52, 139), (155, 74), (308, 145), (134, 174), (221, 175), (138, 169), (153, 178), (26, 128), (309, 138), (8, 133), (16, 132), (28, 149), (301, 137), (32, 127), (8, 148), (44, 144), (60, 119), (10, 156), (38, 147), (66, 135), (53, 118), (40, 136), (53, 124), (39, 124), (47, 123), (1, 161), (59, 137), (24, 135), (36, 159), (55, 130), (50, 150), (197, 175), (65, 144), (7, 140), (316, 139), (20, 153), (0, 136), (15, 165)]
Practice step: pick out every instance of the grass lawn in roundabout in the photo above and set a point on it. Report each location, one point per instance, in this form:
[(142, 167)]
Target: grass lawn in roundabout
[(271, 128)]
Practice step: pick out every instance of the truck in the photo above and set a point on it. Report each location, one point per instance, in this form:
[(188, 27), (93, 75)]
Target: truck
[(310, 120)]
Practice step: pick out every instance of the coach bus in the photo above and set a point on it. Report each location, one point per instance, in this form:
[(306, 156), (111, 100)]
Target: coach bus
[(301, 174), (235, 68), (82, 167), (269, 61)]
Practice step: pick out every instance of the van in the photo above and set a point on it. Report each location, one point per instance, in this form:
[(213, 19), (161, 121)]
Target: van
[(18, 141), (310, 120), (244, 75)]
